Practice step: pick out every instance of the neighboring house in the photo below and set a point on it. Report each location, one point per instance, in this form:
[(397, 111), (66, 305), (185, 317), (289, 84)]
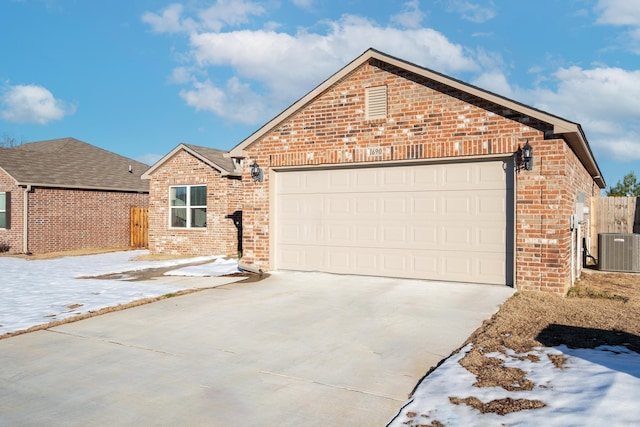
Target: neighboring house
[(65, 194), (194, 193), (391, 169)]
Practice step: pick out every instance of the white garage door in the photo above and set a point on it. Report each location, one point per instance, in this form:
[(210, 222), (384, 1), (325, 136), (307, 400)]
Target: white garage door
[(440, 222)]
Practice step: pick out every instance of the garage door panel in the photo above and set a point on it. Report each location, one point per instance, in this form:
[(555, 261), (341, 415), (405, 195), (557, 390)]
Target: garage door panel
[(300, 232), (425, 236), (491, 239), (457, 176), (425, 205), (339, 234), (338, 205), (456, 205), (427, 178), (367, 233), (395, 204), (444, 222), (492, 202), (365, 260), (457, 265), (425, 264), (395, 235), (309, 259), (365, 205), (457, 237)]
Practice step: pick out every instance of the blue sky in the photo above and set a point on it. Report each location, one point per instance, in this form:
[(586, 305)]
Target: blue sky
[(138, 77)]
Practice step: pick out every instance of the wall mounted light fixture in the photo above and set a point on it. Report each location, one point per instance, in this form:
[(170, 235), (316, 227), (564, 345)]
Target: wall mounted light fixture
[(527, 156), (256, 172)]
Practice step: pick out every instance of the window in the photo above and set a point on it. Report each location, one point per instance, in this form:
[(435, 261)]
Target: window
[(188, 206), (4, 211)]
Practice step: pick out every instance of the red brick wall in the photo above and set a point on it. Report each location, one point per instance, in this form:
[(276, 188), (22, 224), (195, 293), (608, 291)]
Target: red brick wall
[(427, 120), (223, 198), (546, 199), (69, 219), (12, 235)]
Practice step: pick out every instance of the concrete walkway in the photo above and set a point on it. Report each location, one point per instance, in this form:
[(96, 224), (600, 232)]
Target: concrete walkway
[(295, 349)]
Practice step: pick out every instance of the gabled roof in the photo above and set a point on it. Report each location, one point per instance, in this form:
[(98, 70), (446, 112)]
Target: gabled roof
[(213, 157), (570, 131), (70, 163)]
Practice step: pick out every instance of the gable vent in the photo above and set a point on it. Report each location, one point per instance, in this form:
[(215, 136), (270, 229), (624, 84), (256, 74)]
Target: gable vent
[(376, 102)]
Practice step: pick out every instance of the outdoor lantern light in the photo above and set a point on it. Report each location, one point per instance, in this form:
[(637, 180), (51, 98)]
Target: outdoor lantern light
[(256, 172), (527, 156)]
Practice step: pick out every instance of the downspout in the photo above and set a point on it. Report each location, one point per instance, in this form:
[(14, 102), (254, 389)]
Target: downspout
[(250, 268), (25, 220)]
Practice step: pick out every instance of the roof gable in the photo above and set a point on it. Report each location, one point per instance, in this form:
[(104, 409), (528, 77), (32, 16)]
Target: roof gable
[(217, 159), (71, 163), (570, 131)]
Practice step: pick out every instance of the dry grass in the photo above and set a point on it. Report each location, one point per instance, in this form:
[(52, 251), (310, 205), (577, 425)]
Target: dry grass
[(603, 309), (77, 252), (94, 251)]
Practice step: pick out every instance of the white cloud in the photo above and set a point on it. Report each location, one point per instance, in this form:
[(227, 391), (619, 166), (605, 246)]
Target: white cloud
[(32, 104), (623, 148), (280, 66), (624, 13), (473, 12), (304, 4), (610, 94), (603, 100), (496, 82), (169, 20), (214, 18), (411, 15), (181, 75), (619, 12), (289, 65), (236, 102), (228, 13)]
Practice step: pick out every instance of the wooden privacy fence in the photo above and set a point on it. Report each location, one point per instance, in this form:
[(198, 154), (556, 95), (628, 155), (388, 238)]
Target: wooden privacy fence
[(140, 227), (618, 215)]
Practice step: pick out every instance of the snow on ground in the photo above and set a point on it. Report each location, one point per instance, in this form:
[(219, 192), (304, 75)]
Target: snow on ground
[(218, 268), (36, 292), (595, 387)]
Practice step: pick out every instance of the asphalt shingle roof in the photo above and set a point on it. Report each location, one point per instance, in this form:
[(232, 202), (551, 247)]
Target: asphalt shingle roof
[(215, 156), (68, 162)]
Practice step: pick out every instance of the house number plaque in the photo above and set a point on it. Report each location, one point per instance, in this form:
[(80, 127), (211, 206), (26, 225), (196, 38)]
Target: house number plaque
[(375, 151)]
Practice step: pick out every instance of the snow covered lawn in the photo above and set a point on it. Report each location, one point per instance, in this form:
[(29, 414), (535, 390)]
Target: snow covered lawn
[(593, 387), (37, 292)]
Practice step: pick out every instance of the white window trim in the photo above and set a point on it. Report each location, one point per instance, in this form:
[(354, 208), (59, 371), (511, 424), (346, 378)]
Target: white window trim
[(4, 227), (187, 206)]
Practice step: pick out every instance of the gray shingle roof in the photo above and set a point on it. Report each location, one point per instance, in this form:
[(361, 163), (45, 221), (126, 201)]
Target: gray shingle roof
[(70, 163), (217, 159)]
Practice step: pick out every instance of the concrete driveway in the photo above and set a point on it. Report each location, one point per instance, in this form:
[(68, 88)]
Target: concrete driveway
[(295, 349)]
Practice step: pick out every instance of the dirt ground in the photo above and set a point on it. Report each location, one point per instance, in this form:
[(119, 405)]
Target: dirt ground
[(603, 308)]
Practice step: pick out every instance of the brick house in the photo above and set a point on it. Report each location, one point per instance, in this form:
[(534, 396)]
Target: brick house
[(195, 195), (65, 194), (388, 168)]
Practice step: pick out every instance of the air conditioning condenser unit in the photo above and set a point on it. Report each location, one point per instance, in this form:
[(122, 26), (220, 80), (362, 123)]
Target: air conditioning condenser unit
[(619, 252)]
